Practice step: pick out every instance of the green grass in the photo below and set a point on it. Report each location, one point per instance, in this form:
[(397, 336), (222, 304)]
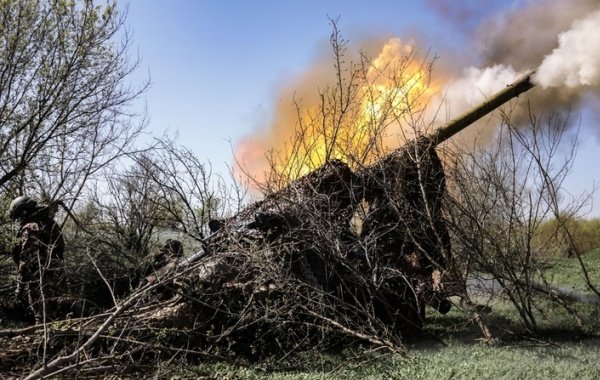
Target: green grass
[(458, 360), (456, 352), (562, 350), (568, 272)]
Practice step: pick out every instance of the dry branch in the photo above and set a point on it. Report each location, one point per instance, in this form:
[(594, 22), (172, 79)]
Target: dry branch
[(291, 272)]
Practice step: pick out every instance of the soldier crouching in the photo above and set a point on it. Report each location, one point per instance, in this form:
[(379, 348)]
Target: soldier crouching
[(39, 256)]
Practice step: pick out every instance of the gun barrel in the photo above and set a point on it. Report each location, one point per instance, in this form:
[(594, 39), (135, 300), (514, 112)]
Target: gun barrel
[(456, 125)]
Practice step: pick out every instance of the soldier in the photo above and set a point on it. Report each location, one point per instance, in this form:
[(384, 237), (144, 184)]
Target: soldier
[(170, 252), (162, 261), (39, 256)]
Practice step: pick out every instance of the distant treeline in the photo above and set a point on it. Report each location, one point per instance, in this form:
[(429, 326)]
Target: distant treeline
[(583, 236)]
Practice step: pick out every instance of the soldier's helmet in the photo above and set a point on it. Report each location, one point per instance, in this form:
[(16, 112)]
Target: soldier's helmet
[(21, 207), (173, 248)]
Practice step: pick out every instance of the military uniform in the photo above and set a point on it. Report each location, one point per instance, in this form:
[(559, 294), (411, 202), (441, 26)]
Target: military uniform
[(39, 257), (170, 252)]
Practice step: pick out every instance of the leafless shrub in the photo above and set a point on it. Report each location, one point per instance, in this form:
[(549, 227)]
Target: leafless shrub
[(500, 198), (64, 95), (349, 252)]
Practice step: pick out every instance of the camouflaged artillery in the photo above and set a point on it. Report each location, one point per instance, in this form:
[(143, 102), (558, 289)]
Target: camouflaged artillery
[(298, 269), (394, 260)]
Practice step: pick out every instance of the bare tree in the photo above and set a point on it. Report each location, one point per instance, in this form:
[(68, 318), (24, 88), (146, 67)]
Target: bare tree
[(362, 111), (500, 198), (64, 94), (128, 216)]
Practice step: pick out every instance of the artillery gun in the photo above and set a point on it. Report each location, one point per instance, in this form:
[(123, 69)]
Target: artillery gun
[(395, 260), (293, 269), (336, 181)]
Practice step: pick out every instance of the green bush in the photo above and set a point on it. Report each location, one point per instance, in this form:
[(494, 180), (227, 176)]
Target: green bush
[(551, 238), (587, 235)]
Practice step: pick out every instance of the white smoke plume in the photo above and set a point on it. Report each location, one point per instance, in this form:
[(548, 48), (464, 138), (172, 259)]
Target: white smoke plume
[(576, 60), (559, 38), (470, 89), (523, 36)]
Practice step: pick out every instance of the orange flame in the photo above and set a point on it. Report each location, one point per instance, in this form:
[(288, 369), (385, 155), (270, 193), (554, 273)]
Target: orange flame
[(360, 115)]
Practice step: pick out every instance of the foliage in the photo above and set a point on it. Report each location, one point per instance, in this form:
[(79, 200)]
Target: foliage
[(64, 95), (500, 198), (65, 109), (289, 273), (585, 234)]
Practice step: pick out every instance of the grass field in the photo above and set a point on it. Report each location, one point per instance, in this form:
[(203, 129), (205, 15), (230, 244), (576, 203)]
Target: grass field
[(568, 271), (563, 351), (567, 353), (454, 360)]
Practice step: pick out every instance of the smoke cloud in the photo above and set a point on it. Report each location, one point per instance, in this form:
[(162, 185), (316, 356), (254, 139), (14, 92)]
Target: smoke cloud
[(471, 88), (522, 37), (557, 38), (561, 39), (576, 60), (254, 153)]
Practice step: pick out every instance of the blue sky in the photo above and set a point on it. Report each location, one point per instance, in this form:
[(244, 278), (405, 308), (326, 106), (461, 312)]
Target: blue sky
[(216, 65)]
